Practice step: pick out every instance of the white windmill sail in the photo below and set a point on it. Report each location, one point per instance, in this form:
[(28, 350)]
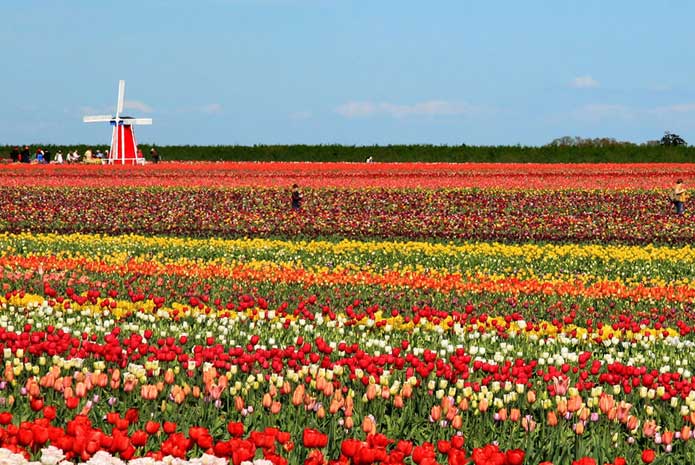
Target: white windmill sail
[(97, 119), (144, 121), (121, 98)]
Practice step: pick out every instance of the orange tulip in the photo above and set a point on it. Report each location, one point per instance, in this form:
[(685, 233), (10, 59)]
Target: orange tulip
[(623, 409), (407, 391), (267, 400), (398, 401), (667, 437), (368, 425), (349, 423), (531, 397), (649, 428), (178, 394), (9, 373), (632, 422), (385, 393), (574, 403), (579, 428), (298, 395), (606, 402), (515, 414), (239, 403), (33, 388), (502, 414), (436, 412), (483, 404), (275, 407), (552, 418), (451, 413), (562, 406), (80, 389), (320, 383), (371, 392), (457, 422), (102, 380), (686, 432), (528, 423)]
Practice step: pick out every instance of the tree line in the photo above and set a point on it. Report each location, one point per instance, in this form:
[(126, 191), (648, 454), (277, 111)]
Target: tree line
[(601, 152)]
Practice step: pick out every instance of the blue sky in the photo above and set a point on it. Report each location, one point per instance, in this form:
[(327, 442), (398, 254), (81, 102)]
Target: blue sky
[(349, 72)]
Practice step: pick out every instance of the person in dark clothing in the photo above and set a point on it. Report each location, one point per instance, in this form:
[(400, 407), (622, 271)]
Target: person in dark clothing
[(47, 156), (296, 198), (26, 154), (155, 155), (14, 154)]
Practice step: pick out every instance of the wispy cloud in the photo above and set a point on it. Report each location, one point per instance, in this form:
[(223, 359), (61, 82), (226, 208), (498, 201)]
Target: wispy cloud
[(600, 111), (676, 109), (584, 82), (300, 115), (212, 108), (137, 105), (429, 108), (88, 110)]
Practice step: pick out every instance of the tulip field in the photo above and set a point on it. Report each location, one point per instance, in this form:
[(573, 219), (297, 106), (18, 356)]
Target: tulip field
[(406, 314)]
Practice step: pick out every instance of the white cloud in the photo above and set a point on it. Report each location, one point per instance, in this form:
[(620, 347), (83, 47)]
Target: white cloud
[(212, 108), (678, 108), (88, 111), (428, 108), (584, 82), (300, 115), (356, 109), (601, 111), (137, 105)]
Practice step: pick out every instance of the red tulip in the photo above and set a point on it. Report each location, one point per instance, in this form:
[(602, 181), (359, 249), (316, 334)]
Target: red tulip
[(152, 427), (648, 456), (314, 439), (138, 438), (515, 457), (236, 429)]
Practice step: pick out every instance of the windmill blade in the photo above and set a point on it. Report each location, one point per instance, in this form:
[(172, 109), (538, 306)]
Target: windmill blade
[(121, 97), (97, 119), (138, 121)]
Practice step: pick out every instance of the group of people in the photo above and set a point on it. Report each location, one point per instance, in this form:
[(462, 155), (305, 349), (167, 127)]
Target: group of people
[(44, 156)]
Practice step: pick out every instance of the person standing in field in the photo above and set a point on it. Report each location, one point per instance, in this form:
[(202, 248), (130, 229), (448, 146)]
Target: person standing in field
[(155, 155), (296, 197), (678, 195), (14, 154), (25, 155)]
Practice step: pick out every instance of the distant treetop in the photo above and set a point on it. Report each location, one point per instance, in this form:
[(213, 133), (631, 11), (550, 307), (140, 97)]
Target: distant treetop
[(569, 141), (672, 140)]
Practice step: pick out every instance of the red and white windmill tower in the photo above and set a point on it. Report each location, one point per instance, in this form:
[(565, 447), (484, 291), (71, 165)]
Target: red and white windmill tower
[(124, 148)]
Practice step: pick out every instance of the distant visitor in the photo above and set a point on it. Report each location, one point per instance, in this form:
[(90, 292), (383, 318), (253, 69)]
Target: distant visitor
[(296, 198), (678, 196)]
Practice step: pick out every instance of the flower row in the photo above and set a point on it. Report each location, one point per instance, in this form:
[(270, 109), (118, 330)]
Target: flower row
[(628, 217)]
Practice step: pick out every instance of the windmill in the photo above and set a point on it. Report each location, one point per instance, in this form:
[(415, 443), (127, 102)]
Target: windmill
[(124, 149)]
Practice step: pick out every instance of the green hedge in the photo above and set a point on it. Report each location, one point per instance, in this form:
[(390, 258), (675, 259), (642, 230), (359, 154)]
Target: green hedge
[(409, 153)]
